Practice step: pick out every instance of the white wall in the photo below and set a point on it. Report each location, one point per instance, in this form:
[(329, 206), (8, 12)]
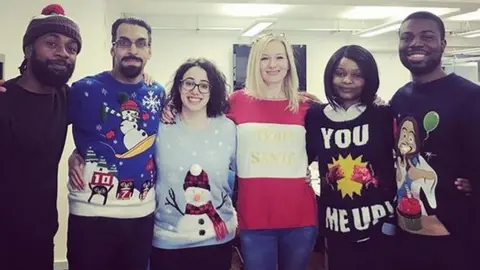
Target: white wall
[(94, 57), (171, 48)]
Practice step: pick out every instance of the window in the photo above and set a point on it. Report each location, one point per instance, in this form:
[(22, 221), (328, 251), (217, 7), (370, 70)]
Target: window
[(240, 61)]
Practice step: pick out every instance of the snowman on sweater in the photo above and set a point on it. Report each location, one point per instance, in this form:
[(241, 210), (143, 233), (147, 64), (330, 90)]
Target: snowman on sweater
[(130, 128), (201, 217), (133, 134)]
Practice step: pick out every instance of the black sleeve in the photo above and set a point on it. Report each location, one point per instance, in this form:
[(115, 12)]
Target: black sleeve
[(313, 133), (386, 171), (5, 101), (470, 137), (3, 123), (6, 137)]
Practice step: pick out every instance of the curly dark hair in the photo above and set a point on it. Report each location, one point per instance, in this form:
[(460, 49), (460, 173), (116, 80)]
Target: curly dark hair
[(132, 21), (218, 103)]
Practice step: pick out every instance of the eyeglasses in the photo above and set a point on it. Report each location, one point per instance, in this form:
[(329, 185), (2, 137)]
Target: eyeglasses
[(189, 85), (124, 43)]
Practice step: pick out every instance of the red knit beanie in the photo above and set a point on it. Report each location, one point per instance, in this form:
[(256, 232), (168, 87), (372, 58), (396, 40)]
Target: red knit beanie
[(52, 20)]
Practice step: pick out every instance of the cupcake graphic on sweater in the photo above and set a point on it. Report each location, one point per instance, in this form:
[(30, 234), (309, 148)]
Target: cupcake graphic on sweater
[(409, 207), (201, 216)]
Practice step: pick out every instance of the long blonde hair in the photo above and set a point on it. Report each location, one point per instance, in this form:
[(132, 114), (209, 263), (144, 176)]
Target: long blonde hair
[(254, 82)]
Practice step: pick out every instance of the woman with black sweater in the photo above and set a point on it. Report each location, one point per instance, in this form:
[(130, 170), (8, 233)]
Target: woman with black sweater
[(352, 139)]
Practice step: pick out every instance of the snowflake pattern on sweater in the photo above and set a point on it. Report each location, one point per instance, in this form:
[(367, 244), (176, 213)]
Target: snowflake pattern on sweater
[(114, 127)]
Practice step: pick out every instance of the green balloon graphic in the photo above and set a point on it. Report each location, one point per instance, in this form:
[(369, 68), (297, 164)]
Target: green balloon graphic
[(430, 121)]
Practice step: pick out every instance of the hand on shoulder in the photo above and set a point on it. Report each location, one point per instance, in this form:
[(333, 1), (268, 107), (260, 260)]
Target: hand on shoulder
[(309, 97), (378, 101), (2, 89)]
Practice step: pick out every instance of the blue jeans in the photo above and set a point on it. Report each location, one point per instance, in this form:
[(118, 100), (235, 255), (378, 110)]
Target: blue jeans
[(290, 249)]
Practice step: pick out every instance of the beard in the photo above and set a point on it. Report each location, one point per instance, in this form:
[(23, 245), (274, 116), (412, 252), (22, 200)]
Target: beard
[(47, 75), (424, 67), (131, 71)]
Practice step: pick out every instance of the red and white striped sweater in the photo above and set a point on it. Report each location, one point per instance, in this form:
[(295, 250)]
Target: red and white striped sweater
[(271, 164)]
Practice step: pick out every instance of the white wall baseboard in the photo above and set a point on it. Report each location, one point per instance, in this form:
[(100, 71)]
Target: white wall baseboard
[(61, 265)]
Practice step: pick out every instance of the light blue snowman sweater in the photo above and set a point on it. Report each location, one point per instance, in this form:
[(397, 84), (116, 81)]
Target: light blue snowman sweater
[(194, 207)]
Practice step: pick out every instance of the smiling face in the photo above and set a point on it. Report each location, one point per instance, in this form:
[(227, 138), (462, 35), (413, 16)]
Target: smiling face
[(407, 143), (197, 196), (195, 90), (348, 82), (274, 63), (52, 59), (131, 50), (421, 46)]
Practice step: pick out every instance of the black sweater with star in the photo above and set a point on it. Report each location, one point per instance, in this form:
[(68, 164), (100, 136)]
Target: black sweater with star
[(442, 118), (354, 150)]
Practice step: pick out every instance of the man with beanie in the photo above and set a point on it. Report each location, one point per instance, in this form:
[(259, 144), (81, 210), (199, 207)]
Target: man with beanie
[(33, 127)]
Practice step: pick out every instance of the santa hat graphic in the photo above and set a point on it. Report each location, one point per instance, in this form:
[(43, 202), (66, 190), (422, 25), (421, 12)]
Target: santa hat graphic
[(129, 105)]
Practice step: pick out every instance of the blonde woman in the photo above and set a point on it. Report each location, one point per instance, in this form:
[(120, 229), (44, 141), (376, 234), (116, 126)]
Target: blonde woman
[(276, 208)]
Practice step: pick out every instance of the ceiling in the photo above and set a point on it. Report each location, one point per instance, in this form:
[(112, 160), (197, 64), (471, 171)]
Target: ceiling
[(353, 17)]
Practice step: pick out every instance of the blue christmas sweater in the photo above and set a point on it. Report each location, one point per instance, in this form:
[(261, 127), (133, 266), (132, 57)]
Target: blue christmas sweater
[(114, 127)]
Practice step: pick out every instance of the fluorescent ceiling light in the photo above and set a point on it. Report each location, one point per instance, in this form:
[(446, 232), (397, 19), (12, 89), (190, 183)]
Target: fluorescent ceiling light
[(470, 16), (256, 28), (462, 61), (473, 35), (201, 28), (393, 13), (252, 10), (378, 30), (463, 51), (470, 34), (331, 29)]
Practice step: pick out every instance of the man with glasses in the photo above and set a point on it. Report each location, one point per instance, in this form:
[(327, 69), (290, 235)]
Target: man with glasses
[(115, 117)]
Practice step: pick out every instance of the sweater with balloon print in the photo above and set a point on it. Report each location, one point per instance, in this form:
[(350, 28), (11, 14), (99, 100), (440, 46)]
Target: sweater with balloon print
[(434, 145), (114, 127)]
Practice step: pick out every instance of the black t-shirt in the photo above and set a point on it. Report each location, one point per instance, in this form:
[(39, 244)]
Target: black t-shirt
[(438, 141), (33, 130), (355, 160)]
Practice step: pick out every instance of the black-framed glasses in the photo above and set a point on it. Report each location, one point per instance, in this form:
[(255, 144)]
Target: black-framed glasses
[(125, 43), (189, 85)]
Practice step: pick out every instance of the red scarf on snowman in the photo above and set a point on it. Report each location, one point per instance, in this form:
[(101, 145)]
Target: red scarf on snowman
[(200, 180)]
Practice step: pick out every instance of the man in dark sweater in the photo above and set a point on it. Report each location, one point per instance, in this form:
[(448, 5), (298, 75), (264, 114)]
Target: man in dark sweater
[(33, 130), (436, 142)]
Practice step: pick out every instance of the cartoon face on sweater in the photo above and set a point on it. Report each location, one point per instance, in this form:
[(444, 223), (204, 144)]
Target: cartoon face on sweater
[(408, 139), (132, 114), (197, 196)]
